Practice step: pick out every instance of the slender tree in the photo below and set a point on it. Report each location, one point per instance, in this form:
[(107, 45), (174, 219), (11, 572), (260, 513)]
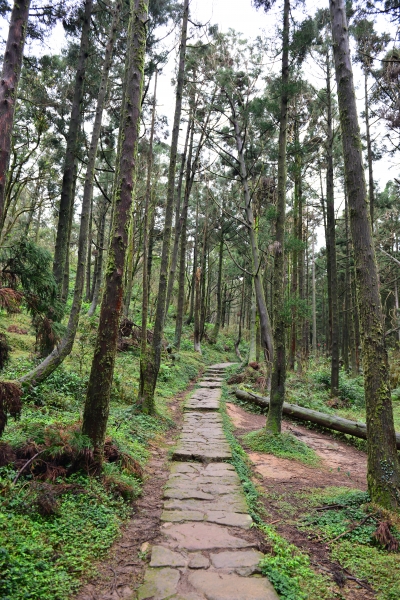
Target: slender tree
[(63, 349), (274, 419), (150, 365), (383, 463), (99, 388), (66, 206)]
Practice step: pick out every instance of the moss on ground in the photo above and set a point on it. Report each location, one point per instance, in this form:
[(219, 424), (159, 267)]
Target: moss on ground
[(283, 445)]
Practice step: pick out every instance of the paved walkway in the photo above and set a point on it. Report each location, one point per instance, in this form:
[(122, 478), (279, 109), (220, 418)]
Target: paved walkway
[(204, 553)]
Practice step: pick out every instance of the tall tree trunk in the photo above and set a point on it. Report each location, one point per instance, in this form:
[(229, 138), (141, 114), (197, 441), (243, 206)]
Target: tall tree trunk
[(183, 236), (371, 192), (217, 324), (149, 371), (145, 283), (66, 199), (278, 379), (331, 238), (204, 272), (253, 328), (89, 284), (347, 293), (265, 325), (314, 301), (99, 388), (383, 463), (98, 273), (192, 287), (53, 360), (178, 221), (10, 75)]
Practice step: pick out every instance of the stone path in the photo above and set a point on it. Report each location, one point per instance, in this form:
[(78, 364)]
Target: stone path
[(204, 552)]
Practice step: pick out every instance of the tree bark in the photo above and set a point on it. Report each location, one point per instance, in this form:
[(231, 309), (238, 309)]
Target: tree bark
[(66, 199), (278, 379), (217, 325), (145, 283), (99, 388), (383, 464), (10, 75), (178, 221), (183, 236), (331, 238), (371, 187), (98, 274), (149, 370)]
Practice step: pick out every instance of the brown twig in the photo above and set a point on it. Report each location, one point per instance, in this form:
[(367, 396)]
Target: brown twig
[(27, 465), (351, 529)]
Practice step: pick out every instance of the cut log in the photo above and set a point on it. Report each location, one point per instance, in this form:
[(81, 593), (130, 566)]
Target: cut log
[(354, 428)]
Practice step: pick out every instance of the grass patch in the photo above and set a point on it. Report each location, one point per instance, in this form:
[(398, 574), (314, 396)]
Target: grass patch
[(282, 445)]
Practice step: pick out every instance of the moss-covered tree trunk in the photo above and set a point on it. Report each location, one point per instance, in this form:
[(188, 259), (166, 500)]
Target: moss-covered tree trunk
[(144, 348), (178, 221), (331, 238), (99, 388), (183, 236), (278, 379), (383, 462), (66, 198), (217, 324), (8, 89), (98, 271), (149, 368)]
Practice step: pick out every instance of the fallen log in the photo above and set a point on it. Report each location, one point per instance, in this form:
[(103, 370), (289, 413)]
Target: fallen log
[(355, 428)]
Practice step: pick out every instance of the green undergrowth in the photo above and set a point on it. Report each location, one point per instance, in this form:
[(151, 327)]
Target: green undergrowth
[(283, 445), (56, 521), (287, 567), (349, 525)]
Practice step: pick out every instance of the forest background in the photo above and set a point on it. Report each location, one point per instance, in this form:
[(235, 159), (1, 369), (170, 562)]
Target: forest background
[(174, 193)]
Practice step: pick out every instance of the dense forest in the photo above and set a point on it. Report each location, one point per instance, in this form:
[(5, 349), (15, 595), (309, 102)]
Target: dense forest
[(251, 225)]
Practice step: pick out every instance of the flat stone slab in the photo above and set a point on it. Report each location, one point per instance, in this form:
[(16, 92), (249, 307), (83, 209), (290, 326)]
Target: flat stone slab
[(243, 562), (164, 557), (203, 536), (205, 506), (210, 384), (202, 404), (159, 584), (223, 586), (179, 516), (231, 519), (198, 561)]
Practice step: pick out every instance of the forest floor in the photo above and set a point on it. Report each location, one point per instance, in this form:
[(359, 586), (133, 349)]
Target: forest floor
[(306, 491)]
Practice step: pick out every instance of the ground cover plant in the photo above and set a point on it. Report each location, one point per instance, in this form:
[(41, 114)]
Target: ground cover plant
[(57, 518)]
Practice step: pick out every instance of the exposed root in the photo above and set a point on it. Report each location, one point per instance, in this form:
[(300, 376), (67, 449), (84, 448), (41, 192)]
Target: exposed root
[(10, 402), (385, 538)]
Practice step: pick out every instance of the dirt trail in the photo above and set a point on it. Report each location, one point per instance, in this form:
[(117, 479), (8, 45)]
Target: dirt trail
[(342, 464)]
